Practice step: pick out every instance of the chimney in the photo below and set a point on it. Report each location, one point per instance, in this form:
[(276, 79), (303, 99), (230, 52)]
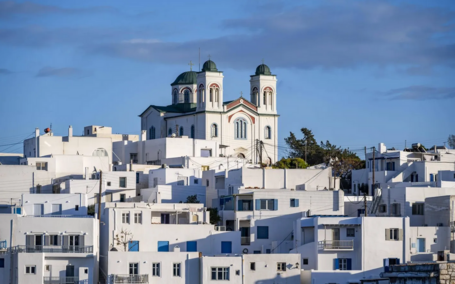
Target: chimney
[(36, 132), (86, 173), (70, 131), (382, 148), (143, 135)]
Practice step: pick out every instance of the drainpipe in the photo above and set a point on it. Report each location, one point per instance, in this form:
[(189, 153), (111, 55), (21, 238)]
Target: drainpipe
[(36, 141)]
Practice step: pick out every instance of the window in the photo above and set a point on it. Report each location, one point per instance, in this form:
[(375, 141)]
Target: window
[(382, 208), (396, 209), (125, 218), (431, 177), (176, 269), (30, 269), (268, 251), (268, 132), (186, 96), (192, 131), (181, 131), (41, 166), (305, 261), (252, 265), (281, 266), (196, 181), (294, 202), (138, 218), (152, 132), (53, 240), (47, 267), (226, 247), (257, 252), (134, 268), (191, 246), (240, 128), (122, 197), (108, 183), (418, 208), (156, 269), (350, 232), (76, 207), (163, 246), (266, 204), (133, 246), (220, 273), (263, 232), (137, 177), (175, 97), (343, 263), (86, 271), (214, 130), (390, 166), (2, 262), (122, 182), (393, 234), (169, 132)]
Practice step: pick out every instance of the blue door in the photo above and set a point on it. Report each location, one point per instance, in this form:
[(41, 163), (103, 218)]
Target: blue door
[(191, 246), (226, 247), (420, 245), (133, 246), (163, 246)]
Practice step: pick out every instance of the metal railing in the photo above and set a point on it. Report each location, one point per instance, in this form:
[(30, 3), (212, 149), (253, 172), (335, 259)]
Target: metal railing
[(131, 278), (61, 280), (337, 245), (244, 241), (59, 216), (53, 249), (220, 228)]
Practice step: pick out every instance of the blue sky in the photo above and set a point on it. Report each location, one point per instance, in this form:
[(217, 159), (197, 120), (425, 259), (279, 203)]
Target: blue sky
[(355, 72)]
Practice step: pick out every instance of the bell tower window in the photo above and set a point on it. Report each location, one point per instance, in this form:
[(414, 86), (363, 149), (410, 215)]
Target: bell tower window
[(175, 98), (186, 96)]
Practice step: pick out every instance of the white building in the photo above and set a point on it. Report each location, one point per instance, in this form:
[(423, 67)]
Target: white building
[(198, 110), (106, 131), (265, 217), (52, 241), (153, 227)]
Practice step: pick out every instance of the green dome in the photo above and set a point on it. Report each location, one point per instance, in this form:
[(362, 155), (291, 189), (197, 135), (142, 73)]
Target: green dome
[(263, 70), (186, 78), (209, 66)]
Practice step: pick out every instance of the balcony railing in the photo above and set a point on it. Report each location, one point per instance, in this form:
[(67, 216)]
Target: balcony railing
[(53, 249), (131, 278), (61, 280), (245, 241), (337, 245), (220, 228)]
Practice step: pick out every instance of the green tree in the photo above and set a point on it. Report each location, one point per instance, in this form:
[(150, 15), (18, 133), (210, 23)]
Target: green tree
[(91, 210), (192, 199), (290, 163), (214, 217)]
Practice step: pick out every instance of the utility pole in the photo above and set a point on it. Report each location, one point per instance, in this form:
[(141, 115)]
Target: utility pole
[(99, 197), (374, 169), (365, 203), (306, 142)]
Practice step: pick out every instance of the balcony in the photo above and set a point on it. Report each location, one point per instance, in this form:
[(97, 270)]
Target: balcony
[(245, 241), (131, 278), (337, 245), (53, 249), (61, 280)]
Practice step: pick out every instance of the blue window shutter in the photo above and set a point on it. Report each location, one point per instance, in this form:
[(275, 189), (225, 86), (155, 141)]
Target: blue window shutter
[(275, 204), (296, 203), (431, 177), (398, 261), (191, 246), (133, 246), (163, 246), (258, 204), (349, 264), (239, 205), (290, 203), (226, 247), (336, 264)]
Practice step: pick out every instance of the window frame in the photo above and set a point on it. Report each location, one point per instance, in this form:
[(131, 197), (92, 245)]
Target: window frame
[(156, 269), (125, 218), (135, 266), (214, 130), (418, 208), (241, 129), (138, 218), (176, 269), (30, 269), (352, 230), (120, 179), (224, 270), (281, 266), (268, 132), (253, 266)]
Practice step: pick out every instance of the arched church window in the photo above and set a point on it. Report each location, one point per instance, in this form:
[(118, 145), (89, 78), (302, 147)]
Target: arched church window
[(186, 96), (192, 131), (169, 132), (217, 95), (175, 98), (214, 130), (181, 131), (268, 132), (152, 133), (211, 94), (240, 128), (254, 96), (264, 101)]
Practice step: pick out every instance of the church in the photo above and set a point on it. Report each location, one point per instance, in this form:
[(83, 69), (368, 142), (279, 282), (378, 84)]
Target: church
[(243, 128)]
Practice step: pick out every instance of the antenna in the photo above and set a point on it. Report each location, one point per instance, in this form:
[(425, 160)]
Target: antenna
[(199, 59)]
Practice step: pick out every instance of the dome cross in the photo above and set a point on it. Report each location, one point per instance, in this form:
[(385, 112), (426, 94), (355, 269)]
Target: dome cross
[(191, 65)]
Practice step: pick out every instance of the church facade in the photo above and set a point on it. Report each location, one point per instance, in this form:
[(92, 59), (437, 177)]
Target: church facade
[(243, 128)]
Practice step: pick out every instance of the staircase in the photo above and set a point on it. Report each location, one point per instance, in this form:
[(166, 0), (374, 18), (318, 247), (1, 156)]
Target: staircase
[(403, 172), (373, 209)]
